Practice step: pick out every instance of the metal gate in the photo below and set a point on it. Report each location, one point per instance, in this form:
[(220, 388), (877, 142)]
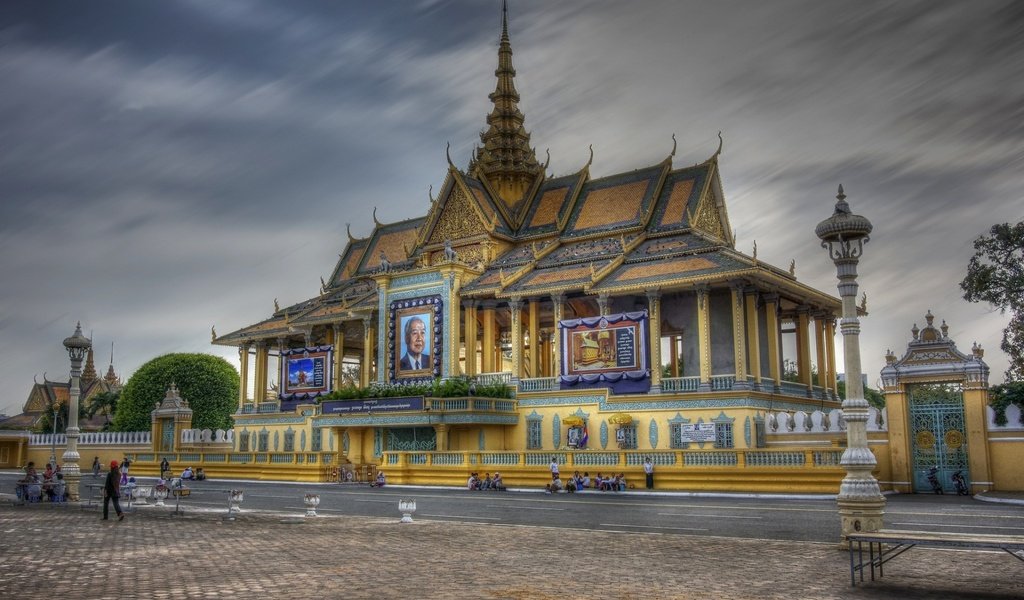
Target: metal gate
[(937, 433)]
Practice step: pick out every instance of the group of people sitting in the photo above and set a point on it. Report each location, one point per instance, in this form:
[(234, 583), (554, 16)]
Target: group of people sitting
[(611, 483), (487, 483), (193, 475), (33, 487)]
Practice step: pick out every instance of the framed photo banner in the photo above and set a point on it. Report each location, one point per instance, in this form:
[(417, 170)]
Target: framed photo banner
[(607, 351), (306, 372), (415, 339)]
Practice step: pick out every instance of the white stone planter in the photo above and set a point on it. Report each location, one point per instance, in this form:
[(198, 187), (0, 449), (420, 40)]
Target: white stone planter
[(141, 493), (160, 494), (407, 508), (235, 500), (311, 501)]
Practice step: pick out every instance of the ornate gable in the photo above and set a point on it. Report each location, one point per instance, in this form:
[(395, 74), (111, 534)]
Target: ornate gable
[(707, 218), (458, 219)]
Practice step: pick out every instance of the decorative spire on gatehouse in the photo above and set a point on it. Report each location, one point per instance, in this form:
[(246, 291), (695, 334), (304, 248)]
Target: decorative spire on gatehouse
[(506, 157)]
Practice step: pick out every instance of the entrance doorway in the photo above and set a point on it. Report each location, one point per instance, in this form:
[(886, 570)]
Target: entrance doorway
[(937, 433)]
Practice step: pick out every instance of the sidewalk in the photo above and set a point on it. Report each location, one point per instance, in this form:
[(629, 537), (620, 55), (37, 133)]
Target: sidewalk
[(71, 553)]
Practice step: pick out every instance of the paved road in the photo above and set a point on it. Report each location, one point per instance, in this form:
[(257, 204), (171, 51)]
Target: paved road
[(753, 518)]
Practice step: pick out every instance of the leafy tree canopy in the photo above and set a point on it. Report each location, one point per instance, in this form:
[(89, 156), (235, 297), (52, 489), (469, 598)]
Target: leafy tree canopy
[(995, 275), (104, 403), (209, 384)]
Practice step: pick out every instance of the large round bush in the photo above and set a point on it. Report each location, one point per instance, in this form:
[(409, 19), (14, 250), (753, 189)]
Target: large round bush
[(209, 384)]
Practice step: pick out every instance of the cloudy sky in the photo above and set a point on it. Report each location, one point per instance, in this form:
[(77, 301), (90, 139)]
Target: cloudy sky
[(168, 166)]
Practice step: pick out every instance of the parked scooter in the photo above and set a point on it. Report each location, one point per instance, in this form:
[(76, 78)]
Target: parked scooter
[(960, 484), (933, 479)]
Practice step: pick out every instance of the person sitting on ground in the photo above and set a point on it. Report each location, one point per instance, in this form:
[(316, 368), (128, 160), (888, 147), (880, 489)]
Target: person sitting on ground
[(48, 473), (621, 480), (200, 474), (188, 474), (381, 480), (577, 480), (487, 482), (497, 483), (586, 480), (471, 483), (555, 486), (599, 482)]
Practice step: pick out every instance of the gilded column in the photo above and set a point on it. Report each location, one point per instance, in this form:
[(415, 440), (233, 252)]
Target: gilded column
[(557, 306), (753, 336), (488, 342), (535, 343), (819, 347), (441, 431), (654, 313), (545, 354), (469, 332), (515, 307), (771, 313), (282, 347), (262, 355), (703, 297), (243, 372), (673, 355), (338, 339), (830, 346), (365, 373), (739, 337), (803, 346)]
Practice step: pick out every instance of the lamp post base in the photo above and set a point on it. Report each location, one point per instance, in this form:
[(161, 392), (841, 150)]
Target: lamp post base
[(859, 515)]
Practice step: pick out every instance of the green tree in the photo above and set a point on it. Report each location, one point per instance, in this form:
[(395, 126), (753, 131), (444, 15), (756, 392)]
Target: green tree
[(209, 384), (104, 403), (995, 274), (45, 424)]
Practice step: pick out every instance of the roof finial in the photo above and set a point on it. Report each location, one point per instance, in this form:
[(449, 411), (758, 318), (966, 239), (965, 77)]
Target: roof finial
[(720, 142), (673, 145), (547, 162), (375, 221), (213, 336), (348, 230), (448, 154), (430, 193), (591, 159)]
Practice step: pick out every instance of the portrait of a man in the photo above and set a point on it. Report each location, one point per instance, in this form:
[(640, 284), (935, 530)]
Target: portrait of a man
[(415, 344)]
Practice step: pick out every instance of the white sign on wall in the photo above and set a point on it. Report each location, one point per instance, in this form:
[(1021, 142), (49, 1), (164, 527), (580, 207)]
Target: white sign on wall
[(699, 432)]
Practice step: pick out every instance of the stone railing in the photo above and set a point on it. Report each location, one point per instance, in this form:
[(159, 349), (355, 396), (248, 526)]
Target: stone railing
[(1012, 419), (800, 422), (492, 378), (206, 436), (538, 384), (94, 438), (680, 384), (593, 459)]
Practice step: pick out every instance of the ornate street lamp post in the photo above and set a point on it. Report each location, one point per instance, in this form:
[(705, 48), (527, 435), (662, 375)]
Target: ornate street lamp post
[(861, 503), (53, 439), (78, 345)]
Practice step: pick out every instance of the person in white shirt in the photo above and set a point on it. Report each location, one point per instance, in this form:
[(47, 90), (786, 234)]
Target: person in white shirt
[(649, 472)]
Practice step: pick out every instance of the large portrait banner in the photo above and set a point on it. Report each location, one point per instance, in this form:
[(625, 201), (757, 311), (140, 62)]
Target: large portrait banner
[(608, 351), (306, 373), (415, 339)]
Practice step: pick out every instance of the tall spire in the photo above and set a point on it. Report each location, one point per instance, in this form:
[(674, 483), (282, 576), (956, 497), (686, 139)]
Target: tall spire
[(89, 372), (506, 156), (111, 376)]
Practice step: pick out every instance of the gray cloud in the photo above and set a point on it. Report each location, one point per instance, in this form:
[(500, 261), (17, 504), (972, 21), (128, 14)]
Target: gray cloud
[(170, 166)]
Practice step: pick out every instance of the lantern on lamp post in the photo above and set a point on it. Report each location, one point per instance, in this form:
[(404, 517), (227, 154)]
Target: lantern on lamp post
[(860, 500), (78, 345)]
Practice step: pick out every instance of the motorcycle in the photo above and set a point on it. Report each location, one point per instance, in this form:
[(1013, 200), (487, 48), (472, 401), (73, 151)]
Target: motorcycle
[(960, 484), (933, 479)]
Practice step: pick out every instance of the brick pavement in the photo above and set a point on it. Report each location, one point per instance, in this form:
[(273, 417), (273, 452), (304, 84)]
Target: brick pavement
[(54, 552)]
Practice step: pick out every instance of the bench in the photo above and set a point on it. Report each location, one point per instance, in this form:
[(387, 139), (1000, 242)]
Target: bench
[(886, 544)]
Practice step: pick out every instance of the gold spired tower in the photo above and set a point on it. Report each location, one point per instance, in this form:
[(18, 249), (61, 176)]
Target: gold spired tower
[(506, 158)]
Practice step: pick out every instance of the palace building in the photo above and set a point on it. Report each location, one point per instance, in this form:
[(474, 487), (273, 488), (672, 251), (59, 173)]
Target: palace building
[(617, 304)]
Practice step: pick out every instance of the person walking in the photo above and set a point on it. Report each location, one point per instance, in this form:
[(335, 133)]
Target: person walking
[(95, 466), (649, 472), (112, 492)]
